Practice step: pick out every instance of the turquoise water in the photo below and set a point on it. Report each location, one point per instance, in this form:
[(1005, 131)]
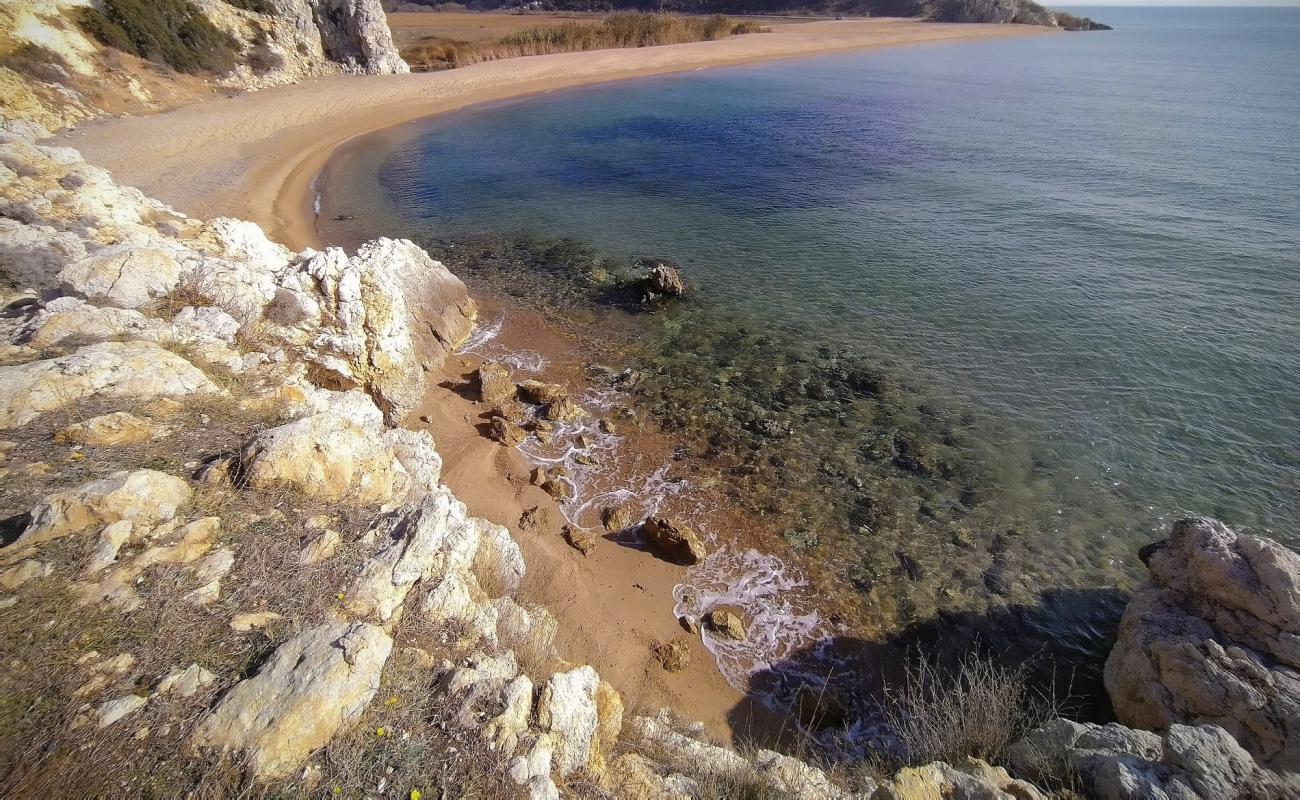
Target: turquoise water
[(1095, 237)]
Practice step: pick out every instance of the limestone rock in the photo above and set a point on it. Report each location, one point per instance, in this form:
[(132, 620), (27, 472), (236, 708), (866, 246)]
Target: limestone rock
[(563, 410), (312, 686), (186, 682), (673, 541), (662, 281), (725, 624), (494, 384), (1214, 637), (108, 430), (23, 572), (567, 710), (618, 518), (110, 542), (144, 497), (506, 432), (507, 728), (326, 456), (539, 393), (794, 778), (123, 276), (1113, 762), (320, 548), (581, 540), (136, 370), (633, 777), (113, 710), (972, 780), (34, 255)]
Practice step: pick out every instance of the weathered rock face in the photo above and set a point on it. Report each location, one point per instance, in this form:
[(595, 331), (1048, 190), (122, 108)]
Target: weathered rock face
[(313, 685), (1214, 637), (351, 33), (108, 430), (144, 497), (1113, 762), (122, 276)]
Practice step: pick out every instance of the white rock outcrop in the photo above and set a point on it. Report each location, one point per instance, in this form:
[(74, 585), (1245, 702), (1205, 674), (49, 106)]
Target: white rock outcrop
[(143, 497), (312, 686), (1214, 637)]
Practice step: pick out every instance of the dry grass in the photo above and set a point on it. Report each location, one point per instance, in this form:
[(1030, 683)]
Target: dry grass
[(623, 30), (976, 709)]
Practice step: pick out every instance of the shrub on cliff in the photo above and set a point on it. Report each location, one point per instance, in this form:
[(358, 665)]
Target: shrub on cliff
[(171, 32)]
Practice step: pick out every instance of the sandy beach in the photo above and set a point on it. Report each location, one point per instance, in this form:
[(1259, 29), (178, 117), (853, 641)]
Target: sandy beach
[(254, 156)]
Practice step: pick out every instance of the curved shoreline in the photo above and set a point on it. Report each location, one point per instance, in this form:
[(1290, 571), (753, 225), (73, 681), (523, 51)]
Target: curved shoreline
[(255, 156)]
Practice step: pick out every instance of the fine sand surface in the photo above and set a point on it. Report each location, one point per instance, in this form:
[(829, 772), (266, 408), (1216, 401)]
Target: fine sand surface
[(254, 156)]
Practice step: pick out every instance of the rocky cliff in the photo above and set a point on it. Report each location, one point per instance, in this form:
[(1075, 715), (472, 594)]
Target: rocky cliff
[(63, 61)]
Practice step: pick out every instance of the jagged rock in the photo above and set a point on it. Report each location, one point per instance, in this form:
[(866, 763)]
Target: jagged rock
[(118, 587), (144, 497), (561, 490), (662, 281), (618, 518), (498, 562), (110, 542), (507, 728), (1214, 637), (326, 456), (794, 778), (136, 370), (311, 687), (673, 541), (124, 276), (432, 538), (579, 539), (563, 410), (109, 430), (506, 432), (686, 753), (539, 393), (567, 710), (972, 780), (725, 624), (494, 384), (1112, 762), (186, 682)]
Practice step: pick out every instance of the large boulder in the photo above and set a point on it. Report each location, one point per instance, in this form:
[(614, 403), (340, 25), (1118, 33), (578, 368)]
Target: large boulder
[(1112, 762), (313, 685), (144, 497), (1214, 637), (137, 370)]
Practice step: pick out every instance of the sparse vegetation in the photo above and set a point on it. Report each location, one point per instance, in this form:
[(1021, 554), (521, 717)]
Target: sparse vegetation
[(629, 29), (975, 709), (171, 32)]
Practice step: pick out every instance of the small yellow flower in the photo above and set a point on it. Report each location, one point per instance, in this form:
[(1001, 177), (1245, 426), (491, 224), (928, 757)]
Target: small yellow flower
[(338, 790), (415, 794), (77, 455), (392, 701), (379, 731), (341, 597)]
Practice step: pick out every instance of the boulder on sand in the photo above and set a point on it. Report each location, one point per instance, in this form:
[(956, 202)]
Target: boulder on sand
[(674, 541)]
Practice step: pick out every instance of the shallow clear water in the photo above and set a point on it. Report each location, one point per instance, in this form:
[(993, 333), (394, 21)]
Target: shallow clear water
[(1095, 236)]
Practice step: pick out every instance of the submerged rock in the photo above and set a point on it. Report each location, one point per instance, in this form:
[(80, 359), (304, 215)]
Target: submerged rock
[(673, 541), (725, 624), (662, 281)]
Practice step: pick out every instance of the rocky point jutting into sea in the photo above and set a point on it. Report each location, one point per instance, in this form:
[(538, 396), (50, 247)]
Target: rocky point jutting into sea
[(230, 562)]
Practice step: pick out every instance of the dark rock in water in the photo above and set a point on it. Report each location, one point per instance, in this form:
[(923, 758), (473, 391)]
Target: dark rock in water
[(674, 541), (725, 624), (662, 281), (539, 393)]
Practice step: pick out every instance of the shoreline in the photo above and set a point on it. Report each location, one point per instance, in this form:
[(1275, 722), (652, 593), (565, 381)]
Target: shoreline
[(255, 156)]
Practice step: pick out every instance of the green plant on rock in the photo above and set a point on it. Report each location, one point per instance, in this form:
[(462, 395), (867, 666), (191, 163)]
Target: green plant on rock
[(171, 32)]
